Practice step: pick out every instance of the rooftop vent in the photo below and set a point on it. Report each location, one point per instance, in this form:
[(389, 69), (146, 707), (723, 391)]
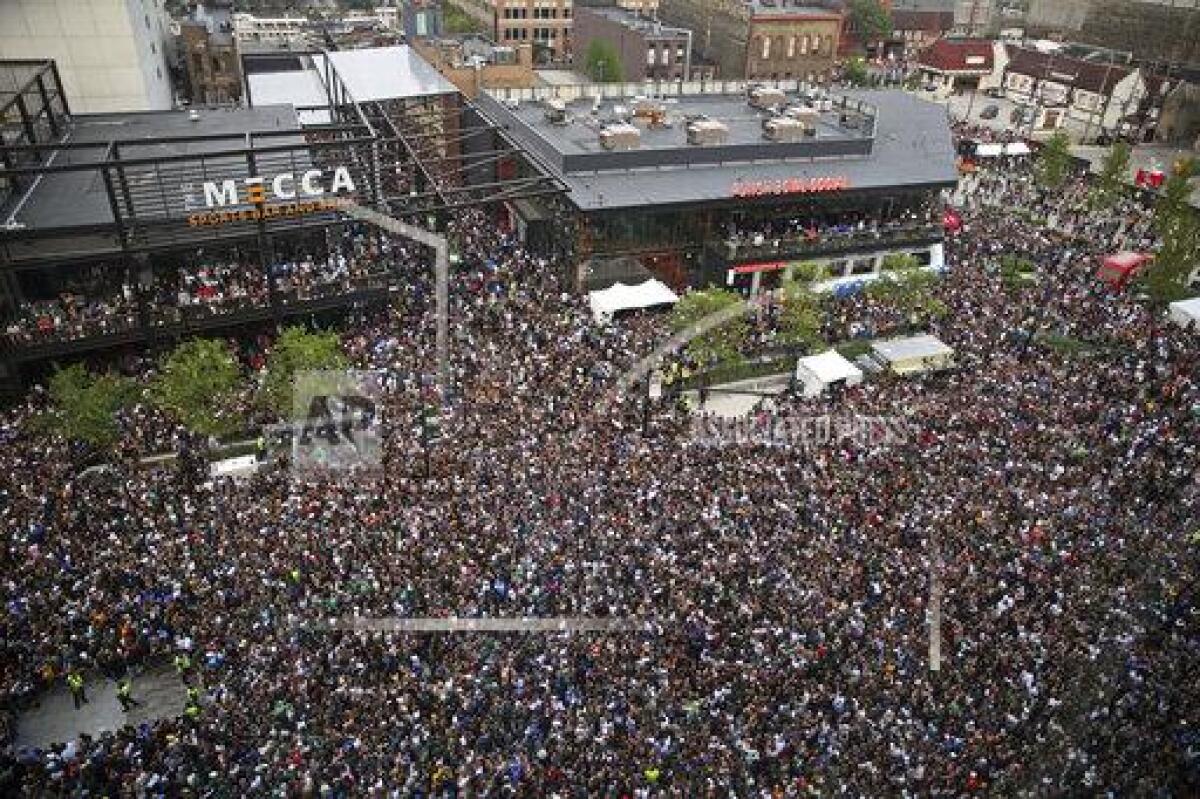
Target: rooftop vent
[(556, 111), (806, 114), (785, 129), (764, 97), (620, 136), (707, 132)]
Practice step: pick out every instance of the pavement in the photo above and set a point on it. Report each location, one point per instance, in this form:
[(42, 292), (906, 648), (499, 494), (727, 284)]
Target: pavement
[(55, 720), (960, 104), (735, 400)]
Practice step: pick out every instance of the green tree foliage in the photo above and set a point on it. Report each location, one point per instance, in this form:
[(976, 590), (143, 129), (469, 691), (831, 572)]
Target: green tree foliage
[(908, 287), (1176, 224), (723, 343), (457, 21), (1111, 181), (1054, 161), (870, 20), (83, 405), (196, 383), (855, 72), (602, 62), (800, 317), (297, 350)]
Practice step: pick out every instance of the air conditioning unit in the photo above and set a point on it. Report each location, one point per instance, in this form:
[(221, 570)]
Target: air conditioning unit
[(620, 136), (556, 111), (765, 97), (785, 129), (809, 116), (707, 132)]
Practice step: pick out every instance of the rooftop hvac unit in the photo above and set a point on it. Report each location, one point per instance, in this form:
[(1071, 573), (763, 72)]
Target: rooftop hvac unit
[(809, 116), (645, 107), (621, 136), (556, 111), (764, 97), (707, 132), (785, 129)]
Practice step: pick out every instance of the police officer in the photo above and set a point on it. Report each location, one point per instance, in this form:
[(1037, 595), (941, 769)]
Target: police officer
[(183, 664), (78, 693), (125, 694)]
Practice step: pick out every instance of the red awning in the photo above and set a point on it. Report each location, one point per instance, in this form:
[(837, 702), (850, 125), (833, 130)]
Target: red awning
[(772, 266)]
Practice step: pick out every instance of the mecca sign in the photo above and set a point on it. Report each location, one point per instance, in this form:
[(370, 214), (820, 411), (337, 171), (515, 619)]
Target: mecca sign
[(765, 188), (284, 195)]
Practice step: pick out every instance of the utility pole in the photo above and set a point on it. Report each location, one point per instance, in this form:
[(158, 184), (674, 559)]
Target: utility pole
[(935, 600)]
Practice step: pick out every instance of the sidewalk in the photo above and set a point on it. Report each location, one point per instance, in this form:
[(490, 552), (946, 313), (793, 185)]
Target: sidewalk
[(55, 719)]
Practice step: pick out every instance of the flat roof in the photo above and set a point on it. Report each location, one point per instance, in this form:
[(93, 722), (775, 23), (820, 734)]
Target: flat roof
[(297, 88), (912, 148), (644, 25), (79, 198), (386, 73)]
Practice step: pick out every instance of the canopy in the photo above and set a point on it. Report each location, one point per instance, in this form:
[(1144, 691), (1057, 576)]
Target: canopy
[(620, 297), (914, 354), (1016, 148), (1119, 268), (989, 150), (1186, 312), (816, 372)]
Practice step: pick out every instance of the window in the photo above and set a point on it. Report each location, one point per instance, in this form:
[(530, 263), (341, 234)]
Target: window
[(678, 55), (778, 46), (791, 51), (804, 44), (862, 266), (650, 54), (766, 47)]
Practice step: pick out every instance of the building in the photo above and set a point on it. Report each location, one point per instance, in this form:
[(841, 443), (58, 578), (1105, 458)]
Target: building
[(114, 226), (111, 54), (473, 63), (418, 18), (972, 18), (545, 24), (915, 30), (1179, 124), (950, 65), (210, 56), (760, 38), (682, 179), (286, 32), (647, 48), (1105, 97)]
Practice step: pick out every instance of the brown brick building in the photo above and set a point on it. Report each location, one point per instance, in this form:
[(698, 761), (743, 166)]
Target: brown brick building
[(210, 56), (647, 47), (760, 39), (473, 64)]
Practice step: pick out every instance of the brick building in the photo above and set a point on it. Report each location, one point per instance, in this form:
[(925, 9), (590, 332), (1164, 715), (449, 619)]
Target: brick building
[(647, 48), (540, 23), (210, 55), (761, 39), (473, 64)]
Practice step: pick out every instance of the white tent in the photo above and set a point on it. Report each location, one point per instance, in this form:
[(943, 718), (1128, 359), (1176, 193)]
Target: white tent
[(1017, 148), (989, 150), (1186, 312), (914, 354), (816, 372), (620, 297)]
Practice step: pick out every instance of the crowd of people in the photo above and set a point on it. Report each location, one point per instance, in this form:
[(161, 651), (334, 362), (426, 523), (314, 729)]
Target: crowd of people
[(779, 598)]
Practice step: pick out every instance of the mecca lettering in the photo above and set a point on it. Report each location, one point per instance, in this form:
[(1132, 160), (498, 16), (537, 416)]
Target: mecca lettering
[(258, 197)]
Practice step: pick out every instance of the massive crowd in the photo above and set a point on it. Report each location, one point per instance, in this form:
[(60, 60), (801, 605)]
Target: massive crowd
[(780, 595)]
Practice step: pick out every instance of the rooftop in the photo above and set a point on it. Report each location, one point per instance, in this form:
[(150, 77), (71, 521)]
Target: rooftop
[(644, 25), (905, 142), (1090, 76), (786, 8), (959, 55), (78, 198), (386, 73)]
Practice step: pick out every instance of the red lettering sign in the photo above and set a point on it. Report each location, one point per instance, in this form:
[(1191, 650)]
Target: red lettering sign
[(763, 188)]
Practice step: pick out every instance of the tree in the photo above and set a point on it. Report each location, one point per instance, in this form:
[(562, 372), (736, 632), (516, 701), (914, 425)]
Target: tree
[(855, 72), (1054, 161), (83, 405), (458, 21), (1111, 179), (603, 62), (904, 284), (719, 325), (800, 317), (1176, 224), (196, 383), (297, 350), (870, 21)]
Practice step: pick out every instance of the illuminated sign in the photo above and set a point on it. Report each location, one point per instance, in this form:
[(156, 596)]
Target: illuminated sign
[(296, 196), (765, 188)]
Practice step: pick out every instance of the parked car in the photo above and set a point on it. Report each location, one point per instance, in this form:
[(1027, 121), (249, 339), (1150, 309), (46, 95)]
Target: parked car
[(994, 91), (1021, 116), (990, 112)]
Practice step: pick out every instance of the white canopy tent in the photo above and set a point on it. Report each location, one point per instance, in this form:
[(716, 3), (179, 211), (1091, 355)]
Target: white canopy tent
[(620, 297), (989, 150), (914, 354), (1017, 148), (815, 373), (1186, 312)]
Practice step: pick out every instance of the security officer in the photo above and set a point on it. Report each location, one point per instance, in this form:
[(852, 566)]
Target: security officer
[(125, 694), (78, 694)]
